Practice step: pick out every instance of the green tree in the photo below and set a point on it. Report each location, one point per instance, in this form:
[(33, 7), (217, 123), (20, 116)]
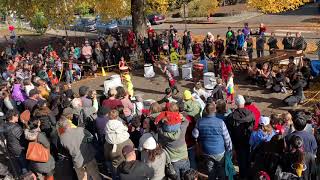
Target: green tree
[(39, 22)]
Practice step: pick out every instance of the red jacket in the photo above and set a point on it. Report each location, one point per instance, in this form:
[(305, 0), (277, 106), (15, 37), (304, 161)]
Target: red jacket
[(173, 118), (256, 112), (225, 70)]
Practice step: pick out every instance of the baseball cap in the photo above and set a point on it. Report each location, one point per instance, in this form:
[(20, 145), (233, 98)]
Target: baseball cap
[(264, 120), (127, 150)]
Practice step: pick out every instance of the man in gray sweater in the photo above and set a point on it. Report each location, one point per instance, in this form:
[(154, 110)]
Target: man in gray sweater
[(78, 142)]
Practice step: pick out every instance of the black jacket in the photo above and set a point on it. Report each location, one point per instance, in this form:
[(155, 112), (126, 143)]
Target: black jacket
[(15, 138), (240, 124), (136, 170), (217, 92)]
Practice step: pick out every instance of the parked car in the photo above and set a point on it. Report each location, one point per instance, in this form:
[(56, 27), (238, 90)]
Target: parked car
[(111, 26), (156, 19), (84, 25)]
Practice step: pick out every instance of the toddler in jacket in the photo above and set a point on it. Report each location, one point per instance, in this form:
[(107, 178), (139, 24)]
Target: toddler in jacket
[(170, 121)]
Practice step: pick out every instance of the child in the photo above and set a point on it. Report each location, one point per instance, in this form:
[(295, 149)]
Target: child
[(172, 81), (174, 56), (122, 64), (217, 92), (128, 83), (170, 120), (230, 88), (226, 69)]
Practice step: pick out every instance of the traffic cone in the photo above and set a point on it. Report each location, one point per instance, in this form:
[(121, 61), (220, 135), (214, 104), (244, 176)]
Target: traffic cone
[(103, 72)]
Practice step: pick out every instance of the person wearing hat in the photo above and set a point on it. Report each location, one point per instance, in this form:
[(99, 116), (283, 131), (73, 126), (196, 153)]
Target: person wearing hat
[(132, 168), (154, 156), (83, 92), (191, 106), (263, 134), (240, 124), (297, 85)]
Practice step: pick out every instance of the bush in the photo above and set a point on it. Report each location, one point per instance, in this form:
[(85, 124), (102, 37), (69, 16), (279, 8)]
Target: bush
[(39, 23)]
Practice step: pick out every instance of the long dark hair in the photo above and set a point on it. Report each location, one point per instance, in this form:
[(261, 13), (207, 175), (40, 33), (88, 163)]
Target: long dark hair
[(152, 154)]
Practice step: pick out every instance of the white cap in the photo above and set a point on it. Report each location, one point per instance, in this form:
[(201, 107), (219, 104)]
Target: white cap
[(264, 120), (150, 144), (240, 100)]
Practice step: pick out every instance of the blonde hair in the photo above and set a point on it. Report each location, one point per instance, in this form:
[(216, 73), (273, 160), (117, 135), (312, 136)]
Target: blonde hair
[(113, 114)]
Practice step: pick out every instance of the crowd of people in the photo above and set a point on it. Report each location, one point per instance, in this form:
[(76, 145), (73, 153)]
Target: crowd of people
[(44, 121)]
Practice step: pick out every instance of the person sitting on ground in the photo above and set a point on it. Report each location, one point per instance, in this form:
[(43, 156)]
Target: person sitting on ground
[(252, 71), (199, 91), (291, 68), (297, 85), (217, 92), (279, 82), (264, 77), (132, 168)]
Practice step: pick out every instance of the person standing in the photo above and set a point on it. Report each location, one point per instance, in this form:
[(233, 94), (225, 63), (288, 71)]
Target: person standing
[(78, 142), (299, 42), (272, 43), (240, 40), (261, 39), (214, 141), (287, 41), (240, 124), (132, 168)]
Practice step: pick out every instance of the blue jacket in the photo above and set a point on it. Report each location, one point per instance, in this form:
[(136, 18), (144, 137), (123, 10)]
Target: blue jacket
[(241, 40), (214, 136), (258, 137)]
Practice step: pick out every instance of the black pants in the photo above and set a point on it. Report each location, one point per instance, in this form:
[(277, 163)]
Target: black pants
[(292, 100), (260, 53), (215, 168)]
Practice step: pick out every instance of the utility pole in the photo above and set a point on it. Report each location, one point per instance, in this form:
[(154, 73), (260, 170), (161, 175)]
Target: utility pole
[(184, 14)]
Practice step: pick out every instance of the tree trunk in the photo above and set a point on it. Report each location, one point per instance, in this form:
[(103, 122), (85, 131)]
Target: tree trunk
[(138, 19)]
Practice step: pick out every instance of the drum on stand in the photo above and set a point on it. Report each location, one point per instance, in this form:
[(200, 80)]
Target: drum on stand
[(187, 71), (148, 71), (173, 68), (197, 72)]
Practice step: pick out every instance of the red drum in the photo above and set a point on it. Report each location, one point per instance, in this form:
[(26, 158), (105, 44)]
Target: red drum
[(197, 72)]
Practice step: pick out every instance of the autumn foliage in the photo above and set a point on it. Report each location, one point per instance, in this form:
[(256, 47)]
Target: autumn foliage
[(276, 6)]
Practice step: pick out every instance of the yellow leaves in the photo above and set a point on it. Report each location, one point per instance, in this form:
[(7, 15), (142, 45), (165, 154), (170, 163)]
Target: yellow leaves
[(159, 6), (276, 6), (113, 9)]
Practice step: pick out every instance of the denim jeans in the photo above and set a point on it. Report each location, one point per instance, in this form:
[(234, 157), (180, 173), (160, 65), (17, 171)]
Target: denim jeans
[(215, 168), (192, 157), (181, 167)]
